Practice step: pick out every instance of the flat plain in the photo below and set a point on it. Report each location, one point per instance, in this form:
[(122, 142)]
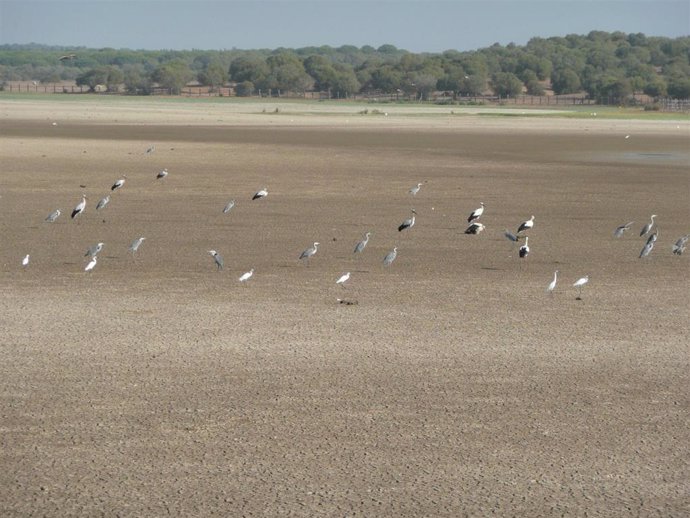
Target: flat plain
[(455, 386)]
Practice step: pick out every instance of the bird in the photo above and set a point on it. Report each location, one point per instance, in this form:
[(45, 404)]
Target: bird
[(552, 285), (526, 225), (474, 228), (524, 249), (50, 218), (94, 250), (359, 248), (67, 57), (119, 183), (579, 284), (162, 174), (103, 202), (390, 256), (136, 244), (25, 261), (261, 193), (476, 213), (648, 226), (414, 190), (91, 264), (217, 258), (246, 276), (653, 237), (649, 245), (309, 252), (408, 223), (622, 229), (229, 206), (679, 247), (343, 279), (510, 236), (150, 150), (80, 207)]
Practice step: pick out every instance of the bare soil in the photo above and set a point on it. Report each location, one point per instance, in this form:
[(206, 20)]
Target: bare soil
[(455, 386)]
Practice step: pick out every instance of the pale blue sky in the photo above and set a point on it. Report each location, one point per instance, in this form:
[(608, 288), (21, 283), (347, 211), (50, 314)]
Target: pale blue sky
[(415, 25)]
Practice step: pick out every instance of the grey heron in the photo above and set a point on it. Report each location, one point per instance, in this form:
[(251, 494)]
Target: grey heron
[(228, 207), (552, 284), (91, 264), (53, 216), (162, 174), (310, 252), (414, 190), (25, 261), (343, 279), (136, 244), (246, 276), (217, 258), (119, 183), (524, 249), (103, 202), (94, 250), (679, 247), (649, 245), (579, 284), (408, 223), (648, 226), (261, 193), (474, 228), (390, 256), (622, 229), (476, 213), (526, 225), (80, 207), (359, 248)]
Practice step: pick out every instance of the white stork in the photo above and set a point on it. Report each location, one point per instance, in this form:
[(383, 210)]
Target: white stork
[(80, 207), (119, 183), (261, 193), (475, 228), (524, 249), (526, 225), (408, 223), (476, 213)]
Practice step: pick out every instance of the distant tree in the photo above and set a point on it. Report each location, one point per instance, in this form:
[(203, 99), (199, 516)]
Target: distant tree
[(656, 87), (321, 71), (249, 68), (534, 87), (565, 81), (387, 79), (137, 80), (173, 75), (93, 77), (114, 79), (213, 75), (345, 82), (679, 88), (506, 84), (245, 89)]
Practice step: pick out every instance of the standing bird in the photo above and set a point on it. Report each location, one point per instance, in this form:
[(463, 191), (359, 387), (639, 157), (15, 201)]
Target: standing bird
[(679, 247), (414, 190), (524, 249), (119, 183), (80, 207), (579, 284), (649, 245), (408, 223), (53, 216), (246, 276), (162, 174), (262, 193), (25, 261), (474, 228), (359, 248), (91, 264), (526, 225), (343, 279), (94, 250), (390, 256), (648, 226), (476, 213), (136, 244), (552, 285), (309, 252), (229, 206), (150, 150), (217, 258), (622, 229), (103, 202)]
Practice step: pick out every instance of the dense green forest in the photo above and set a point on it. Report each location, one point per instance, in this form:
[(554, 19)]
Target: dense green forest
[(611, 66)]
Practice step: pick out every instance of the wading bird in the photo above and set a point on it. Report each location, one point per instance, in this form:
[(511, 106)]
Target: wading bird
[(261, 193), (103, 202), (414, 190), (408, 223), (162, 174), (648, 226), (80, 207), (136, 244), (552, 285), (67, 57), (25, 261), (217, 258), (649, 245), (310, 252), (228, 207), (119, 183), (94, 250), (579, 284), (679, 247), (526, 225), (91, 264), (476, 213), (359, 248), (247, 275), (150, 150), (53, 216), (524, 249), (343, 279), (474, 228), (390, 256), (622, 229)]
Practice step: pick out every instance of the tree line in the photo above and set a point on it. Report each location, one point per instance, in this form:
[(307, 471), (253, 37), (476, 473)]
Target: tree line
[(605, 66)]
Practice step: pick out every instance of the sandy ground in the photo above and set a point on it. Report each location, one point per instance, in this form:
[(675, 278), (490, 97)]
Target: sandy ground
[(456, 386)]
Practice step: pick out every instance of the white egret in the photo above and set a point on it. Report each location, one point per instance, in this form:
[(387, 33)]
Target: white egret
[(343, 279), (579, 284), (247, 275), (552, 284), (91, 264)]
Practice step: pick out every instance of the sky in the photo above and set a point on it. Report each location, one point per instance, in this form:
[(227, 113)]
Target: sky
[(414, 25)]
